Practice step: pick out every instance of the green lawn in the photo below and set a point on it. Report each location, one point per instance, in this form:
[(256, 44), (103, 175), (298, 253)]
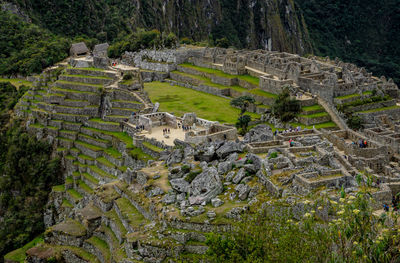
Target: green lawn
[(316, 115), (180, 100), (17, 82), (263, 93), (312, 108), (348, 96)]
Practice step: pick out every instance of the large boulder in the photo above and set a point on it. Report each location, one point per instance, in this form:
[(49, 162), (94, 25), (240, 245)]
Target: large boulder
[(205, 186), (228, 148), (180, 185), (259, 133)]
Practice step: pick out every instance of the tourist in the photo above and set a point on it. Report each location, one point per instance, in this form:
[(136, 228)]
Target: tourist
[(169, 132), (386, 207)]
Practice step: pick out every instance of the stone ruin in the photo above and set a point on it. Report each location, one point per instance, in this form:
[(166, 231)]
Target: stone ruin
[(151, 196)]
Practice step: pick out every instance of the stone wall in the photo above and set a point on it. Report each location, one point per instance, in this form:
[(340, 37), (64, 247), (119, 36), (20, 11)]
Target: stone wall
[(272, 85)]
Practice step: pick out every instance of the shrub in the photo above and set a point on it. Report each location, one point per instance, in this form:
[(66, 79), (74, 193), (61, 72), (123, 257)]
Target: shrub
[(185, 168), (127, 76), (192, 175), (273, 155), (285, 108), (355, 122)]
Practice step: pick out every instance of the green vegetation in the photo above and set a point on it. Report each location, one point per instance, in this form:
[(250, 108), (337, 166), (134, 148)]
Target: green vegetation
[(9, 96), (19, 255), (380, 109), (215, 72), (284, 107), (312, 108), (138, 154), (180, 100), (27, 169), (315, 115), (152, 147), (370, 30), (17, 82), (26, 49), (353, 235), (142, 39), (263, 93)]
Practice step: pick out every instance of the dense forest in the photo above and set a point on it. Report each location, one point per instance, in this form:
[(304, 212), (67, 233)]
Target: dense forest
[(27, 173), (362, 32)]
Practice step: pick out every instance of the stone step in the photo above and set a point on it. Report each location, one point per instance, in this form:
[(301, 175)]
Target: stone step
[(72, 126), (72, 135), (104, 125), (89, 180), (93, 98), (88, 110), (91, 72), (99, 248), (65, 142), (85, 159), (123, 112), (97, 133), (93, 141), (77, 86), (113, 156), (72, 254), (109, 236), (88, 149), (74, 103), (116, 225), (124, 95), (73, 196), (87, 79), (100, 174), (70, 117), (67, 233), (116, 118), (130, 104), (107, 166), (84, 189)]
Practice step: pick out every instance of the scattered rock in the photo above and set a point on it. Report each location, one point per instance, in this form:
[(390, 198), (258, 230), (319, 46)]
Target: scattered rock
[(216, 202)]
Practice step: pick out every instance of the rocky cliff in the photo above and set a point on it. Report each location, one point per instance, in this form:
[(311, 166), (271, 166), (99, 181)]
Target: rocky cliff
[(267, 24)]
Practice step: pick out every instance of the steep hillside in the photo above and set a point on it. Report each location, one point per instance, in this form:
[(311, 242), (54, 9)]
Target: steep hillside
[(259, 24), (361, 32)]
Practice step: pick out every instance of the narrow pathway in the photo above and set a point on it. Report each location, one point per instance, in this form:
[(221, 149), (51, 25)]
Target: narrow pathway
[(333, 113)]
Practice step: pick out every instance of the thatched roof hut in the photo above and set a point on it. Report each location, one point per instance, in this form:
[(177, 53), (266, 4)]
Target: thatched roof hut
[(79, 49)]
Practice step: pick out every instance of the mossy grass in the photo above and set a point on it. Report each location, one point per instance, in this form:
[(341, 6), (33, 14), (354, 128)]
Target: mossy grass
[(95, 139), (180, 100), (101, 172), (113, 153), (312, 108), (315, 115), (74, 194), (79, 83), (152, 147), (114, 217), (90, 178), (105, 162), (127, 101), (262, 93), (98, 120), (380, 109), (81, 253), (208, 70), (37, 126), (58, 188), (85, 187), (138, 154), (69, 180), (122, 136), (129, 212), (88, 69), (85, 157), (72, 91), (100, 245), (66, 204), (17, 82), (89, 146), (348, 96), (19, 255)]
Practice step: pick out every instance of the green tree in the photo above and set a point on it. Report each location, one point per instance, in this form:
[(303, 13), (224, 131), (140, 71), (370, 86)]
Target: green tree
[(243, 103), (27, 173), (355, 122), (285, 108)]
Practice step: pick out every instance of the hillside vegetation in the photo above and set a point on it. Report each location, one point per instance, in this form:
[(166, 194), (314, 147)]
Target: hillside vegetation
[(362, 32)]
